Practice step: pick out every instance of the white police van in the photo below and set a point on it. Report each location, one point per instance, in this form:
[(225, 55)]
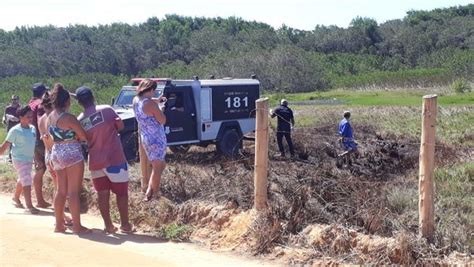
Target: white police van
[(198, 112)]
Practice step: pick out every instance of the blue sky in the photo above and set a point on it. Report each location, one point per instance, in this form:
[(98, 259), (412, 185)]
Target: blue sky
[(300, 14)]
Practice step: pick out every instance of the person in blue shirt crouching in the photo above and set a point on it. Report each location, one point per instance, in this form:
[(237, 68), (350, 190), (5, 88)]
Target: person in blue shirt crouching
[(346, 133)]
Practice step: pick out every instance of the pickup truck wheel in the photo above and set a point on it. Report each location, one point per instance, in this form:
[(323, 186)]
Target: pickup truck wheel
[(180, 149), (230, 143)]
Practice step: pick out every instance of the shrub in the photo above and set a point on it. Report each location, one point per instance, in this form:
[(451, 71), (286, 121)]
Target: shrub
[(176, 232), (461, 86)]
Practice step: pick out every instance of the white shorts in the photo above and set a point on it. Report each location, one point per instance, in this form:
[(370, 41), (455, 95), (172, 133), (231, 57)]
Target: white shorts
[(116, 174), (24, 172)]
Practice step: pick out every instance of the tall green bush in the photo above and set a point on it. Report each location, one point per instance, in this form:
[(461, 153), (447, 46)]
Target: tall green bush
[(461, 85)]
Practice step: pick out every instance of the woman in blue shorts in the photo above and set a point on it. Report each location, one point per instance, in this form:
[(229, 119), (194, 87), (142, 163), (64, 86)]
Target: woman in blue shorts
[(151, 119)]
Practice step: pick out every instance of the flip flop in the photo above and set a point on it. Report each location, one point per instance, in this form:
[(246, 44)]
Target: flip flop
[(61, 230), (148, 197), (110, 231), (83, 231), (32, 211), (127, 231), (68, 223), (44, 205), (17, 204)]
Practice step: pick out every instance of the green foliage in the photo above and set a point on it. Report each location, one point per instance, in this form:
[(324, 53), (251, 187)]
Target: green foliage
[(284, 69), (459, 61), (285, 59), (104, 86), (175, 232), (461, 86)]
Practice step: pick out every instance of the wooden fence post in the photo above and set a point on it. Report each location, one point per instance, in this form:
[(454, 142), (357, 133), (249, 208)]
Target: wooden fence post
[(261, 154), (427, 149)]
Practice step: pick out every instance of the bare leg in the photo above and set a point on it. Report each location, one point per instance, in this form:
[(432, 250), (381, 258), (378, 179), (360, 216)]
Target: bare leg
[(145, 167), (60, 200), (155, 178), (122, 205), (17, 195), (27, 196), (75, 174), (54, 177), (38, 184), (104, 207)]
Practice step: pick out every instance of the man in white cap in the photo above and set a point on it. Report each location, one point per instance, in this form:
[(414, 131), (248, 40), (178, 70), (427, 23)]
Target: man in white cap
[(285, 124)]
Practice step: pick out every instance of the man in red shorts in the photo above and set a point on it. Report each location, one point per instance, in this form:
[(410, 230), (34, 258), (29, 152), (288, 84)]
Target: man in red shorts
[(107, 162)]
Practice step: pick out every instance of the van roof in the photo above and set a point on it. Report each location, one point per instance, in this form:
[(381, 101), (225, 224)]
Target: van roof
[(136, 81), (227, 81), (206, 82)]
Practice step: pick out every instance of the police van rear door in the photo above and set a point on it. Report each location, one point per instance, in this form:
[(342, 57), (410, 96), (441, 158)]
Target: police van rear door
[(180, 114)]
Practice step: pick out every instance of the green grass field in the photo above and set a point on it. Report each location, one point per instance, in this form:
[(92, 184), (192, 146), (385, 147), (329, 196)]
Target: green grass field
[(400, 97)]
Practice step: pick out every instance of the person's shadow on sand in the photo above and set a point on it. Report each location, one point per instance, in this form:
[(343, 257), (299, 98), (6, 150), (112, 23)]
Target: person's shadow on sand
[(98, 235), (42, 212)]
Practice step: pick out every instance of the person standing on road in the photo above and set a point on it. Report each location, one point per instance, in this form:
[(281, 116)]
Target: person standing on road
[(107, 162), (21, 138), (47, 105), (10, 117), (40, 166), (67, 159), (151, 121), (285, 124)]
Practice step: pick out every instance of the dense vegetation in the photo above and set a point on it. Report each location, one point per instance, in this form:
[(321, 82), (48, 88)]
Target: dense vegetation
[(425, 46)]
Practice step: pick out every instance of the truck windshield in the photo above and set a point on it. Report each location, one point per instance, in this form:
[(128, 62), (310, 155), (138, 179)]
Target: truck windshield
[(126, 96)]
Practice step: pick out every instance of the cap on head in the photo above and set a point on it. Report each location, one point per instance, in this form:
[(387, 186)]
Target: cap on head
[(284, 102), (83, 92), (15, 97), (39, 89), (347, 114)]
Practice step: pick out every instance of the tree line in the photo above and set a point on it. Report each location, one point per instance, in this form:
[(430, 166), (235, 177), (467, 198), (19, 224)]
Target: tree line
[(284, 59)]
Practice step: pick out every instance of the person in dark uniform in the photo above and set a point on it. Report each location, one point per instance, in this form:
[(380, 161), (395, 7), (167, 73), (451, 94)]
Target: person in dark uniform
[(10, 117), (285, 124)]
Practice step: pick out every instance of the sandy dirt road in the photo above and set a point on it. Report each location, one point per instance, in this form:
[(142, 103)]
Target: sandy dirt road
[(28, 240)]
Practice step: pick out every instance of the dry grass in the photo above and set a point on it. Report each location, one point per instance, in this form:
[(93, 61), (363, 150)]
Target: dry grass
[(360, 213)]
